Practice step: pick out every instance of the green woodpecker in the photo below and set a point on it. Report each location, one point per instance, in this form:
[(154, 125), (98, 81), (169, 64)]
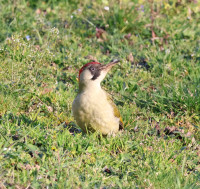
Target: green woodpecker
[(93, 108)]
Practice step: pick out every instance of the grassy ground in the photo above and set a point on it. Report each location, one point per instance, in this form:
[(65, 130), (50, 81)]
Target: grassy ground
[(156, 87)]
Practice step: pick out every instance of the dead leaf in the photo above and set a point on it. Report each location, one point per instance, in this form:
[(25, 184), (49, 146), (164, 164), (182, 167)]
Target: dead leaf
[(128, 36), (101, 34), (37, 47), (49, 108), (90, 57), (170, 130), (46, 90), (153, 35), (30, 167), (188, 134), (171, 160), (38, 11), (173, 131), (193, 140), (198, 153), (150, 148), (130, 58)]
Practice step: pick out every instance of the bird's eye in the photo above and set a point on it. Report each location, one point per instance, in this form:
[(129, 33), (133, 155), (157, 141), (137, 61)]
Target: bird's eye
[(92, 69)]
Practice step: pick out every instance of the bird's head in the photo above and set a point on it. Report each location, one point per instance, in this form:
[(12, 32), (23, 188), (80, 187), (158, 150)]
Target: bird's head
[(94, 72)]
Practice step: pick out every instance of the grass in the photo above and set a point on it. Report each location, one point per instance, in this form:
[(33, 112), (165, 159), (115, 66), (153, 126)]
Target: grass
[(156, 87)]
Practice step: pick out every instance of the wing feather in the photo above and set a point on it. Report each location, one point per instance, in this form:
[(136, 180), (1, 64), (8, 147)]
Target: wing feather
[(116, 112)]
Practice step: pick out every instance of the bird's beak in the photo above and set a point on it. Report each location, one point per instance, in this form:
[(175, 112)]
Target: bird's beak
[(108, 66)]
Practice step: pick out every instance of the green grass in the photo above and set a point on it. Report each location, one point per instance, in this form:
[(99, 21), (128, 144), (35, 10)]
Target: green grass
[(156, 87)]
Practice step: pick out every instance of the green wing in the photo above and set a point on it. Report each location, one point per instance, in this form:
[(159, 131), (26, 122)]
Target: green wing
[(116, 111)]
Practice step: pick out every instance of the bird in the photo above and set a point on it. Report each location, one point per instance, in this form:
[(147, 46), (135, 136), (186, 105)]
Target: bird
[(93, 108)]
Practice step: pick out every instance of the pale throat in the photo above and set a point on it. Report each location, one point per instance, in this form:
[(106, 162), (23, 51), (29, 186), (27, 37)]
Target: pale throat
[(87, 84), (92, 86)]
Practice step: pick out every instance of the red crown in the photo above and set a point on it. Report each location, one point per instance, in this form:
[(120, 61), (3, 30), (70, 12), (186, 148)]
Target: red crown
[(86, 65)]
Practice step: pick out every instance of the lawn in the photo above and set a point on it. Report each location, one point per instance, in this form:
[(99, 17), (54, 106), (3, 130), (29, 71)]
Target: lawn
[(156, 87)]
